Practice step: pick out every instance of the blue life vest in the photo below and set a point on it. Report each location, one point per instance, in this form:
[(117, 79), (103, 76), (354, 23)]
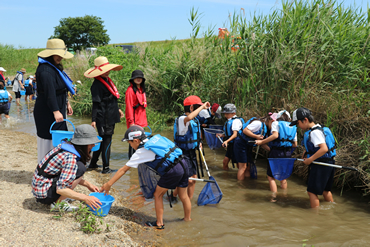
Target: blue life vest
[(203, 120), (67, 81), (166, 154), (259, 132), (191, 139), (27, 83), (4, 97), (329, 140), (227, 127), (286, 135)]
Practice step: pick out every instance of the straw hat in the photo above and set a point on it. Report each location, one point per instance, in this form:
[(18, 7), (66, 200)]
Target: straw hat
[(101, 66), (23, 70), (55, 47)]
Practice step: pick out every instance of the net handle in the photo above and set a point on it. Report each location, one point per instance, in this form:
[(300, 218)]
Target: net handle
[(204, 160), (203, 180), (332, 165)]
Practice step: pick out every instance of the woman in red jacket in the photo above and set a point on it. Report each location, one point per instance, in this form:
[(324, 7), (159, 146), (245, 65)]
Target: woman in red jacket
[(136, 102)]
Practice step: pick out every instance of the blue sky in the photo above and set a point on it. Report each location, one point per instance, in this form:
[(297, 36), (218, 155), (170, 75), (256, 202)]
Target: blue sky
[(29, 23)]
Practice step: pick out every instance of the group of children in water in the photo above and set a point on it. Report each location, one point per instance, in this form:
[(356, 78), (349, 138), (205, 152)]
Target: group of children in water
[(175, 162)]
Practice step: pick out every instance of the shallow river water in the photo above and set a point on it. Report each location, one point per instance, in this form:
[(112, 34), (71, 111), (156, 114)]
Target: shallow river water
[(245, 216)]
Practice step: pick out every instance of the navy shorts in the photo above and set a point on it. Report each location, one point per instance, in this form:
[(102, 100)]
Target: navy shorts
[(52, 195), (191, 159), (29, 90), (320, 178), (230, 152), (4, 108), (17, 95), (278, 153), (242, 152), (176, 177)]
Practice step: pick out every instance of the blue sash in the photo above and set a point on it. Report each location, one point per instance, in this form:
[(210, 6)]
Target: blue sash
[(63, 75), (22, 77)]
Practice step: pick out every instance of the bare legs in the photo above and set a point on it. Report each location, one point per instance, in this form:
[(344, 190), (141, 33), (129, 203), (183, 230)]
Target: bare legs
[(314, 199)]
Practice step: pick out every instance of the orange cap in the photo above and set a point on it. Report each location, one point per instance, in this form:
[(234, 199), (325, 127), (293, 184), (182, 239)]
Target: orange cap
[(192, 100)]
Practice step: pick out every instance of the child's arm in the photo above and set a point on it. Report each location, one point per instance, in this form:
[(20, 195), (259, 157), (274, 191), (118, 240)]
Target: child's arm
[(118, 175), (323, 149), (234, 135), (195, 113), (249, 133), (272, 137)]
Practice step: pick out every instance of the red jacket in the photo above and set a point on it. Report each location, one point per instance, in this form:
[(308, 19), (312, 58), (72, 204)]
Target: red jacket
[(135, 109)]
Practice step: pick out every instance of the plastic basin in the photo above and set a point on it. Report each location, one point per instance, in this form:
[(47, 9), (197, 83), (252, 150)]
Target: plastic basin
[(97, 145), (58, 135), (23, 92), (106, 201)]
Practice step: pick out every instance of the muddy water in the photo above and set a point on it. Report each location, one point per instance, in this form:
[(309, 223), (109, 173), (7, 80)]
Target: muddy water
[(245, 216)]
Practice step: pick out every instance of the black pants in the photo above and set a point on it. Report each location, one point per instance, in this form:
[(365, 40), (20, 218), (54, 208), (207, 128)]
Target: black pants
[(105, 146)]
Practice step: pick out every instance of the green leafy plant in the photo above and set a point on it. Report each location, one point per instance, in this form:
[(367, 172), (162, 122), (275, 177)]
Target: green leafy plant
[(89, 223)]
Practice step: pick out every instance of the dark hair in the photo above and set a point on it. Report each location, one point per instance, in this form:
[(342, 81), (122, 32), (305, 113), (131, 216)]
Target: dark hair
[(284, 117), (187, 108), (82, 150), (51, 60), (310, 118), (195, 106), (2, 84), (134, 86)]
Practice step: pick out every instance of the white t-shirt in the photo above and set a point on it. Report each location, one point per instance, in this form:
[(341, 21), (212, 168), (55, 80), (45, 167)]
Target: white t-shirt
[(317, 136), (237, 124), (275, 128), (141, 156), (183, 128), (204, 114), (255, 126)]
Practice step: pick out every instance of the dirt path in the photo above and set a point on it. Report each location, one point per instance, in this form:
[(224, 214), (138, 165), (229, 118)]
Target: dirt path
[(24, 222)]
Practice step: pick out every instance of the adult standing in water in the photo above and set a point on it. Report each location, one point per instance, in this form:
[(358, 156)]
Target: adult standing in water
[(52, 86), (136, 102), (18, 85), (105, 111)]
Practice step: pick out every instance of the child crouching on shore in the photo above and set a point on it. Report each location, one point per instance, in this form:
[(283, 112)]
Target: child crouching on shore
[(173, 170)]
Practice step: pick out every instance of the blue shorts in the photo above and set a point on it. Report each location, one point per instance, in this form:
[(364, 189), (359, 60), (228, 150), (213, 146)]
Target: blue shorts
[(278, 153), (230, 152), (191, 159), (176, 177), (242, 152), (320, 178)]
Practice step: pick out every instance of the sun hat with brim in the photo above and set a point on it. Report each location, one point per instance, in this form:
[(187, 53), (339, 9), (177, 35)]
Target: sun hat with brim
[(280, 113), (2, 69), (192, 100), (23, 70), (101, 66), (300, 114), (55, 47), (134, 132), (137, 74), (85, 134)]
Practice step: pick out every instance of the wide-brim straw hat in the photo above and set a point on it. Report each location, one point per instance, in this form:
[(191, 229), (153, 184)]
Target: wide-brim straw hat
[(101, 66), (55, 47), (23, 70)]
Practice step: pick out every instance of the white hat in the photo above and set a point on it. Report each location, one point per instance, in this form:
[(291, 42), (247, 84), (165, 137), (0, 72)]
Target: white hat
[(79, 81), (2, 69), (282, 112), (31, 77)]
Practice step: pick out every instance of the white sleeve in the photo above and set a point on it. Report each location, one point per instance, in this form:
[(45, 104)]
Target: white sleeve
[(183, 128), (8, 94), (295, 137), (237, 125), (141, 155), (204, 113), (317, 137), (254, 126), (275, 126)]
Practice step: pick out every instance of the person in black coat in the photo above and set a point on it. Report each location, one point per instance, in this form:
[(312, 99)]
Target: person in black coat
[(51, 104), (105, 111)]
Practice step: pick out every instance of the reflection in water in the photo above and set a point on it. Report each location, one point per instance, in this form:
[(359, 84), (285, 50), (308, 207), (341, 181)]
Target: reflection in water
[(245, 216)]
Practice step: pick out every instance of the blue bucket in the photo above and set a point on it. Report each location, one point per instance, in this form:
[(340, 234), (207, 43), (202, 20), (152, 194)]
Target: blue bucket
[(23, 92), (97, 145), (58, 135), (148, 133), (106, 201), (215, 126), (212, 140), (281, 168)]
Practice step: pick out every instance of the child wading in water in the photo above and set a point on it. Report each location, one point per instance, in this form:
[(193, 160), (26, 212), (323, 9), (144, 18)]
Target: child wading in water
[(283, 137), (173, 174), (187, 136), (320, 146), (231, 128), (253, 129), (5, 98)]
